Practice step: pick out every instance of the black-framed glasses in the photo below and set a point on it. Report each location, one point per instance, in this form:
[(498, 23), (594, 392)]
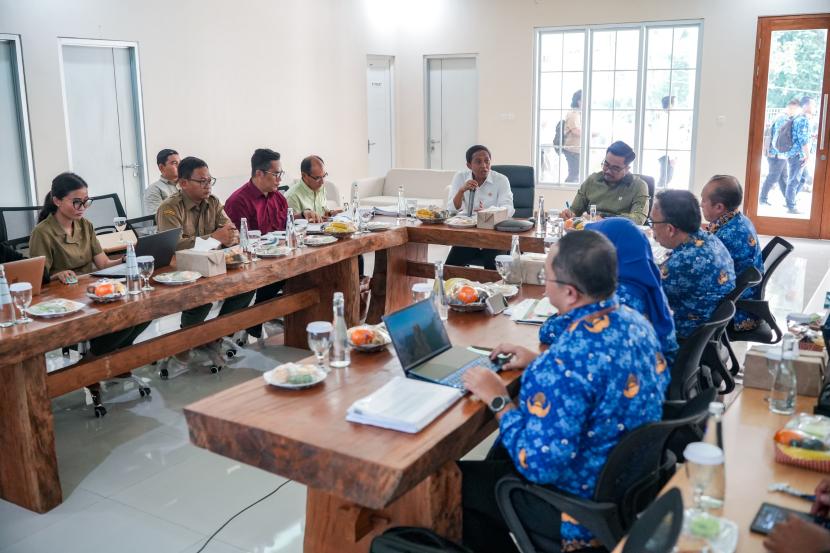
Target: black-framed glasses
[(277, 174), (78, 203), (651, 222), (317, 179), (205, 183), (613, 168)]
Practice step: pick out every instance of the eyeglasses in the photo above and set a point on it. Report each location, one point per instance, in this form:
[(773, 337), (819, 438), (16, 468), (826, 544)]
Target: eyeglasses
[(278, 174), (317, 179), (78, 203), (651, 222), (613, 168), (206, 183), (542, 276)]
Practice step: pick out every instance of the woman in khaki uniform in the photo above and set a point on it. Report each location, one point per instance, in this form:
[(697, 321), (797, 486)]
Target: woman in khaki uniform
[(67, 240)]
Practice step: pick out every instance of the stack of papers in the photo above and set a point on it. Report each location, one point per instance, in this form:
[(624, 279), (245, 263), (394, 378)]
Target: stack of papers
[(387, 211), (534, 312), (403, 404)]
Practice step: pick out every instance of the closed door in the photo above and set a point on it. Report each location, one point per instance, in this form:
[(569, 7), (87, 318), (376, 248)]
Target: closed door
[(787, 173), (452, 110), (379, 110), (103, 121), (15, 159)]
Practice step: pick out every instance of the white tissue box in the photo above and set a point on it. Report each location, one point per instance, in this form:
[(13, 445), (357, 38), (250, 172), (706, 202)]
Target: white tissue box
[(532, 264), (208, 264), (490, 217)]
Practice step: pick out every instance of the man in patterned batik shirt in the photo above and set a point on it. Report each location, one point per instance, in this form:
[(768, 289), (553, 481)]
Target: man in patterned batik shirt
[(698, 272), (603, 376), (720, 200)]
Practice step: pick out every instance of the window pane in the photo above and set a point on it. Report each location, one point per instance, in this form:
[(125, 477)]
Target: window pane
[(625, 89), (680, 130), (601, 128), (551, 166), (683, 88), (624, 127), (628, 49), (551, 52), (657, 87), (574, 48), (548, 118), (571, 83), (595, 159), (651, 164), (682, 166), (602, 90), (603, 49), (685, 47), (656, 130), (550, 91), (659, 48)]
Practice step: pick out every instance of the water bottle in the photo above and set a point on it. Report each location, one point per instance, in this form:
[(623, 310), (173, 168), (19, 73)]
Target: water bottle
[(401, 207), (133, 275), (289, 228), (243, 234), (6, 306), (705, 470), (339, 356), (592, 212), (714, 425), (515, 276), (439, 295), (713, 496), (784, 384), (541, 225), (355, 204)]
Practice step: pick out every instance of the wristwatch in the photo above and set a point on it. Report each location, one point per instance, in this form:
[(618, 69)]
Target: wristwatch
[(498, 403)]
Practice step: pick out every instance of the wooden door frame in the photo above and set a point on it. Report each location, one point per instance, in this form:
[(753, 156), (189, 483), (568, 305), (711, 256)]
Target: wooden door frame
[(818, 226)]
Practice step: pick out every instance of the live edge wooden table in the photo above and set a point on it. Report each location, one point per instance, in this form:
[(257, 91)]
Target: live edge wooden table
[(28, 463)]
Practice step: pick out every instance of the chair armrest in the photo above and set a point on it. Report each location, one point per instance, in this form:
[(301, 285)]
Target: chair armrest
[(760, 308), (370, 187), (673, 409)]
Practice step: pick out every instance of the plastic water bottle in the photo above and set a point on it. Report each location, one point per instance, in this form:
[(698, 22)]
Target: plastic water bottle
[(355, 205), (6, 306), (713, 496), (541, 225), (133, 275), (339, 356), (243, 234), (401, 207), (289, 228), (714, 425), (439, 295), (515, 262), (784, 384)]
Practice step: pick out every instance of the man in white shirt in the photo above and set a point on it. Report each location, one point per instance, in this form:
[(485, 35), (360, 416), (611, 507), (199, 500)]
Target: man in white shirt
[(168, 163), (472, 190)]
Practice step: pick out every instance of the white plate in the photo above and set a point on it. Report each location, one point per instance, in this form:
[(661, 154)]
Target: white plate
[(174, 278), (273, 251), (379, 329), (54, 308), (278, 376), (319, 240), (378, 226), (506, 290), (461, 222)]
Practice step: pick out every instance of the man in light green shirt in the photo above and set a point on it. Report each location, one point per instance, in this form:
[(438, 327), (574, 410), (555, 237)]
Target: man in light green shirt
[(307, 196), (614, 190)]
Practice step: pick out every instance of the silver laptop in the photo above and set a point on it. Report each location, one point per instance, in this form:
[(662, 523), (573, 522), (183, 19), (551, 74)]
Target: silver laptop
[(161, 246)]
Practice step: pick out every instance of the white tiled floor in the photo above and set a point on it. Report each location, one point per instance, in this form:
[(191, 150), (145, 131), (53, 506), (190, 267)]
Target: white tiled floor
[(133, 482)]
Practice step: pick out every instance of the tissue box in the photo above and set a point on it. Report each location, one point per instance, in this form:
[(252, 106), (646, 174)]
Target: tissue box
[(488, 218), (209, 263), (810, 368), (532, 265)]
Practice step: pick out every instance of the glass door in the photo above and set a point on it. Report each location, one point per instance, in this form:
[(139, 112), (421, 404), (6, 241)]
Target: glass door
[(788, 149)]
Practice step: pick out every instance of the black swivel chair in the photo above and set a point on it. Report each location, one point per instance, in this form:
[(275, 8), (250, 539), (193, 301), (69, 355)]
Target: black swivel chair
[(16, 224), (658, 528), (523, 184), (650, 183), (681, 437), (103, 210), (626, 485)]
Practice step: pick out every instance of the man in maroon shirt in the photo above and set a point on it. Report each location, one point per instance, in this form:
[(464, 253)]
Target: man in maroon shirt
[(265, 208)]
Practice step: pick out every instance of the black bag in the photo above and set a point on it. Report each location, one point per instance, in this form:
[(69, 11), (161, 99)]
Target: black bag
[(559, 136), (409, 539), (784, 140)]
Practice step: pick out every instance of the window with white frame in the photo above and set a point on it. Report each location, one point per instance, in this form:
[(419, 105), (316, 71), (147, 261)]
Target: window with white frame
[(599, 84), (15, 148)]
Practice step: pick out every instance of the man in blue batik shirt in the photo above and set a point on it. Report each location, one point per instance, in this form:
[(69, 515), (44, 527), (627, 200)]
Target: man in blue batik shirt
[(602, 377), (698, 272), (720, 200), (799, 154)]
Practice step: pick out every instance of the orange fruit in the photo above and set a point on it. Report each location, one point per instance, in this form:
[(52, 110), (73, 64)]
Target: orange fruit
[(569, 223), (467, 294), (105, 289), (362, 336)]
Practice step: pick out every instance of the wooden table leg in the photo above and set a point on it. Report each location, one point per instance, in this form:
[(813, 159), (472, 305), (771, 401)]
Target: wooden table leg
[(339, 277), (335, 525), (28, 463), (391, 287)]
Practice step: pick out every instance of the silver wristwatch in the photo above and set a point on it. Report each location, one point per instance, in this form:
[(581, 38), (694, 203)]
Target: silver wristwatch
[(498, 403)]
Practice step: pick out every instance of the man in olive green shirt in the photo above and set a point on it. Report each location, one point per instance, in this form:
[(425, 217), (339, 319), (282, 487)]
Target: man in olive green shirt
[(614, 190), (307, 197)]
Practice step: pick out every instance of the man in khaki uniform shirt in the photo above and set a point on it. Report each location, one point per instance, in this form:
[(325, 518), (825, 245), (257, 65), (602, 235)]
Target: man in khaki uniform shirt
[(199, 213)]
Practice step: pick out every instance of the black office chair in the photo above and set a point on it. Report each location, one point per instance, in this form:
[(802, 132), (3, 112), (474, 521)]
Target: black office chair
[(16, 224), (626, 485), (650, 183), (689, 376), (523, 184), (698, 406), (142, 226), (103, 210), (658, 528), (767, 331)]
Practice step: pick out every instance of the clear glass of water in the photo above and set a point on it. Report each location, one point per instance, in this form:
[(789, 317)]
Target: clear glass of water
[(411, 209), (300, 229), (319, 341), (254, 238), (365, 215), (504, 266), (21, 293), (592, 212), (120, 224), (146, 265), (421, 291)]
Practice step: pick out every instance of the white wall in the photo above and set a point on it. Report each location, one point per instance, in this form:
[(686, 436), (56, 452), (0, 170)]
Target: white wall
[(221, 78)]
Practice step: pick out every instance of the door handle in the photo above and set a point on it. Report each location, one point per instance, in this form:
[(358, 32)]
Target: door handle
[(434, 141), (823, 123), (369, 145), (134, 166)]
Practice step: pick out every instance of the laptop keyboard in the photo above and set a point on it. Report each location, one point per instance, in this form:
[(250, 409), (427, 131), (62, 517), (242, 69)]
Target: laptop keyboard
[(454, 379)]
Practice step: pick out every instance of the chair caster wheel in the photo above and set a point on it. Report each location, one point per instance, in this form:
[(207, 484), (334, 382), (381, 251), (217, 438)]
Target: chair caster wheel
[(163, 374), (215, 369), (240, 343), (144, 392), (230, 354), (100, 411)]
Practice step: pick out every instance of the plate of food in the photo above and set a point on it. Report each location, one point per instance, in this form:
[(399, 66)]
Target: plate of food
[(576, 223), (368, 338), (235, 257), (106, 290), (466, 296), (339, 229), (175, 278), (431, 215), (378, 226), (319, 240), (295, 376), (461, 221), (273, 250), (506, 290), (57, 307)]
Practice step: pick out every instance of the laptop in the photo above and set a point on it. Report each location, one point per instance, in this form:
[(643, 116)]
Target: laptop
[(161, 246), (424, 349), (26, 270)]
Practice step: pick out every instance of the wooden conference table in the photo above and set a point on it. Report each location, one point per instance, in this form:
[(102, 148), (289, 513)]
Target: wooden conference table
[(28, 462)]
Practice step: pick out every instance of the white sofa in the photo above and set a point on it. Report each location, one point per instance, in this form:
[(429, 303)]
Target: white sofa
[(428, 186)]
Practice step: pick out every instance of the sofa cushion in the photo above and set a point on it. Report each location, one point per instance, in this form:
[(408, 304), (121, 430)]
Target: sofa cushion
[(418, 183), (386, 201)]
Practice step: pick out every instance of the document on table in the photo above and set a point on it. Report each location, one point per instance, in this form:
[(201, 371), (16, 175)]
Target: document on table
[(534, 312), (403, 404), (387, 211)]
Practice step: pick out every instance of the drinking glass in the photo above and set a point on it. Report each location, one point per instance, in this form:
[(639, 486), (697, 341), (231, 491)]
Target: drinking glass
[(300, 229), (504, 266), (319, 341), (703, 461), (254, 238), (21, 296), (146, 264), (120, 224), (592, 212), (421, 291), (365, 215), (411, 210)]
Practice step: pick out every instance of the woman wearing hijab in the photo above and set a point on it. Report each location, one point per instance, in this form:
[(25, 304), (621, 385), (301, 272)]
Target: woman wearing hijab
[(638, 284)]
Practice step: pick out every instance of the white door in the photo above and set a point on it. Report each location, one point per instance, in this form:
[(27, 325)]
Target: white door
[(379, 110), (15, 160), (103, 121), (452, 110)]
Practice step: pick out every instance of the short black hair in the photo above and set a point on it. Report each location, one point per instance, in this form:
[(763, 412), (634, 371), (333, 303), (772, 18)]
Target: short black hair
[(188, 165), (588, 260), (576, 98), (805, 100), (261, 160), (680, 208), (161, 157), (668, 101), (305, 164), (620, 148), (794, 102), (471, 151), (727, 191)]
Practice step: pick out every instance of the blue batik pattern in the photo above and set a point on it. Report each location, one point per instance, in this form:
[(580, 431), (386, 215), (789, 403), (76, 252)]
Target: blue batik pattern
[(696, 276), (737, 233), (602, 377)]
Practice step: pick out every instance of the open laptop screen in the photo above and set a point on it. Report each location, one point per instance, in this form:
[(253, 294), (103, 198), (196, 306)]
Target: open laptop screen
[(417, 333)]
